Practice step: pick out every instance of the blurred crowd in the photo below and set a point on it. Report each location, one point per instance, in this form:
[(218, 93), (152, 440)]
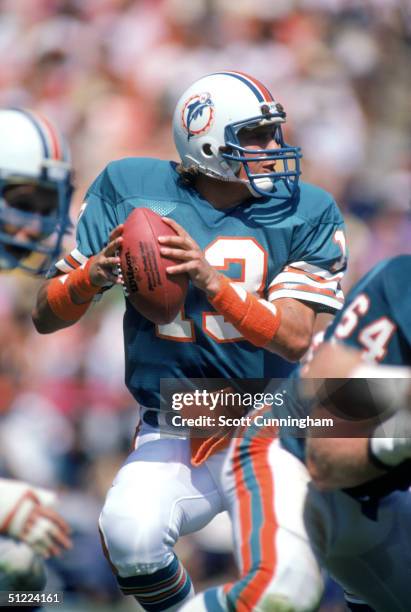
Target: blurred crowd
[(109, 72)]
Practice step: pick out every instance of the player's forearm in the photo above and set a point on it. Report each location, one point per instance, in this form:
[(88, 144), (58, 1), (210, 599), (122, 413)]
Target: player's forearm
[(64, 300), (44, 319), (338, 463), (284, 327), (293, 336)]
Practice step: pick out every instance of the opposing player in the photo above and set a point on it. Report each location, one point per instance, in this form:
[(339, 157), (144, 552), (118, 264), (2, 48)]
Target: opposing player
[(30, 530), (35, 192), (355, 518), (264, 252)]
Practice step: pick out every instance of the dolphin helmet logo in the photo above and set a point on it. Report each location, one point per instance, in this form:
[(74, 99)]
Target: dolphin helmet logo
[(198, 114)]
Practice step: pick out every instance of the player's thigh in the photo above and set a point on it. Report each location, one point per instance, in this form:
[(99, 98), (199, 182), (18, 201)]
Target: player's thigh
[(369, 555), (158, 486)]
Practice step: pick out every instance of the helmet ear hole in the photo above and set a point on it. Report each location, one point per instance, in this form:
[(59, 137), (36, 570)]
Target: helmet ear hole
[(206, 148)]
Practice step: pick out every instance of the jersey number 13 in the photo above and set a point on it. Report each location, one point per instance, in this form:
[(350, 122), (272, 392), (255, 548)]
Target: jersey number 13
[(220, 254)]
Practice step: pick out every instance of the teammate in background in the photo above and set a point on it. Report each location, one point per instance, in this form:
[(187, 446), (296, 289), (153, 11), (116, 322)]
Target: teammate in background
[(354, 517), (264, 252), (369, 477), (35, 193)]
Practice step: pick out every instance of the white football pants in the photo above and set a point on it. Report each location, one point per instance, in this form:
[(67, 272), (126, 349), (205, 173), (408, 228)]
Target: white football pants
[(156, 497)]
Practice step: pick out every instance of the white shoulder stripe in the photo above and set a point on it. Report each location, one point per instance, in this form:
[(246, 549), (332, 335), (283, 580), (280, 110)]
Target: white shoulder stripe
[(307, 267), (306, 296), (302, 279)]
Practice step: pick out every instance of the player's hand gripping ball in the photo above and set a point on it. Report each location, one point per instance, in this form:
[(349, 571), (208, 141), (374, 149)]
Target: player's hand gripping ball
[(152, 292)]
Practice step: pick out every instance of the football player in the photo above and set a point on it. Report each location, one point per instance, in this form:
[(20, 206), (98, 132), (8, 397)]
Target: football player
[(264, 251), (30, 530), (355, 515), (35, 193)]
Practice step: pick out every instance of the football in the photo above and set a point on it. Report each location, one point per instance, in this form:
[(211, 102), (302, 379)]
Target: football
[(152, 292)]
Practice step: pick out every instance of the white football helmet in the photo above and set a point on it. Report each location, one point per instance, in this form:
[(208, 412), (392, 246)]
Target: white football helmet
[(206, 122), (32, 153)]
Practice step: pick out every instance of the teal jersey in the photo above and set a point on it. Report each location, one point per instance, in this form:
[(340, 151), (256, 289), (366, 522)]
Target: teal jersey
[(294, 248), (375, 320), (377, 316)]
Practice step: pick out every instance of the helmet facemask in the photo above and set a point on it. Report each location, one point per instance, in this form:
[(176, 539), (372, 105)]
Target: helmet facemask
[(33, 221), (264, 184)]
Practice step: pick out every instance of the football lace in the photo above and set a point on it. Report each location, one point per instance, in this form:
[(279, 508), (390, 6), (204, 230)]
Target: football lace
[(118, 272)]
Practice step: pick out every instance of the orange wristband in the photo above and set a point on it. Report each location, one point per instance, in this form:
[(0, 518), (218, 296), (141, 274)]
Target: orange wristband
[(59, 295), (79, 281), (255, 321)]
